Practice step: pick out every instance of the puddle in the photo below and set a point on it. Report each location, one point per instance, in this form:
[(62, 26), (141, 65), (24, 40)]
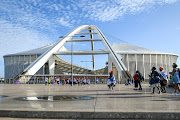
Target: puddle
[(2, 96), (56, 98)]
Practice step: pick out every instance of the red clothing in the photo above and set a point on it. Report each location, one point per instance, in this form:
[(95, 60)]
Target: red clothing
[(135, 77)]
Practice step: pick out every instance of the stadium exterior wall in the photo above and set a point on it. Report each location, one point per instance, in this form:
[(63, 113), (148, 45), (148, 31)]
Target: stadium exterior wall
[(13, 65), (144, 62)]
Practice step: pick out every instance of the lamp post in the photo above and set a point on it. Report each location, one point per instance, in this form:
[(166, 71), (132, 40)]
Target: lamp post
[(86, 66), (72, 54)]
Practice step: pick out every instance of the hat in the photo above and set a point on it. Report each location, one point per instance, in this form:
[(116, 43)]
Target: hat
[(161, 68), (112, 71), (174, 65), (154, 68)]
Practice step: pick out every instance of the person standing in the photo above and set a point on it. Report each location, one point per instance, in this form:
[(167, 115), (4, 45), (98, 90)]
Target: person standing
[(46, 80), (49, 80), (175, 79), (55, 80), (58, 81), (135, 81), (139, 79), (97, 80)]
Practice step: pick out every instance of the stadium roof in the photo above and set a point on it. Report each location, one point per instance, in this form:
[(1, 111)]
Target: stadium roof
[(125, 48), (122, 48), (36, 51)]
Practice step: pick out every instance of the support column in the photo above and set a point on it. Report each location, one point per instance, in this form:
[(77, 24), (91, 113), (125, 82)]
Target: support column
[(150, 61), (136, 61), (109, 64), (30, 59), (144, 67), (24, 62), (166, 63), (128, 61), (43, 69), (169, 64), (19, 65), (51, 64), (92, 48), (161, 60)]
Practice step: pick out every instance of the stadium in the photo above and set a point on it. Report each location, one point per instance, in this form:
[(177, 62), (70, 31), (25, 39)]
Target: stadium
[(124, 59)]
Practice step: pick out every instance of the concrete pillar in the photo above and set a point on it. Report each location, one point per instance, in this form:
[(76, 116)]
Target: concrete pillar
[(51, 64), (136, 61), (166, 63), (161, 60), (156, 61), (128, 61), (144, 67), (109, 64), (150, 61), (169, 69), (24, 62), (43, 69)]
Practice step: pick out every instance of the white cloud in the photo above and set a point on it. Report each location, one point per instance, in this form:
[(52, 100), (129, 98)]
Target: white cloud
[(177, 28), (45, 15), (64, 22), (16, 39), (114, 9)]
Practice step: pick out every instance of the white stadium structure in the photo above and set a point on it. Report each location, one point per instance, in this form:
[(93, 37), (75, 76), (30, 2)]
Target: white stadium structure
[(124, 59)]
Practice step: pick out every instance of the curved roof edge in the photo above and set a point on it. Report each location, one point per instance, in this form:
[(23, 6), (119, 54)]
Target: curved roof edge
[(122, 48), (36, 51), (125, 48)]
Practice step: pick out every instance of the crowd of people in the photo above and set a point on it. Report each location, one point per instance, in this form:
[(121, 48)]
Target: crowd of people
[(159, 79), (63, 81)]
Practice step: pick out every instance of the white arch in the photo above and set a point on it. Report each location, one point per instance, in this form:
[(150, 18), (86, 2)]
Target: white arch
[(56, 49)]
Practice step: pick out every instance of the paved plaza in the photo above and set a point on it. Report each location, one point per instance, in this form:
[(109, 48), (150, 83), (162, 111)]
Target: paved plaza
[(123, 100)]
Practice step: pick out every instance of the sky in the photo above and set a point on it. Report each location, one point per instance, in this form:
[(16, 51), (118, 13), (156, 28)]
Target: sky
[(28, 24)]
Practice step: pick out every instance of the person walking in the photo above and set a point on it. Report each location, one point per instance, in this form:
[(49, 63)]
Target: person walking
[(175, 79), (155, 80), (111, 82), (163, 79), (139, 79)]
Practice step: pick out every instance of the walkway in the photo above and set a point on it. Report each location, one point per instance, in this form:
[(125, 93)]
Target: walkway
[(123, 100)]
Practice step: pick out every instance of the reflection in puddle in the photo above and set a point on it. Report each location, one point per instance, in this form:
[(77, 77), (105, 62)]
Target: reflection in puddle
[(53, 98), (2, 96)]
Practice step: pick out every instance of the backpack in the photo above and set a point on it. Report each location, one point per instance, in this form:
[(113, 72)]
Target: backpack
[(178, 71), (156, 76), (140, 77)]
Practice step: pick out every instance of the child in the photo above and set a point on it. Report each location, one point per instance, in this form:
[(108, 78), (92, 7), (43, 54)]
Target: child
[(111, 82)]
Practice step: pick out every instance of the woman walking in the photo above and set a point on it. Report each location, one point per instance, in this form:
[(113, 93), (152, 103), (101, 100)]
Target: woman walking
[(175, 79), (155, 80)]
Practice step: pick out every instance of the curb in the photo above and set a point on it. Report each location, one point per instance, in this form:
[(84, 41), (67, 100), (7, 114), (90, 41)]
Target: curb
[(88, 115)]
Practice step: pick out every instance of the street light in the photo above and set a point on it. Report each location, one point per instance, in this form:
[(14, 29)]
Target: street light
[(72, 54), (71, 36), (86, 66)]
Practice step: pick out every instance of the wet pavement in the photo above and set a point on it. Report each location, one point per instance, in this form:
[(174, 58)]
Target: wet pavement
[(41, 97), (123, 99)]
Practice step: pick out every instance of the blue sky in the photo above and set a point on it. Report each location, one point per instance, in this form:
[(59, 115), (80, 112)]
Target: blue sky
[(27, 24)]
